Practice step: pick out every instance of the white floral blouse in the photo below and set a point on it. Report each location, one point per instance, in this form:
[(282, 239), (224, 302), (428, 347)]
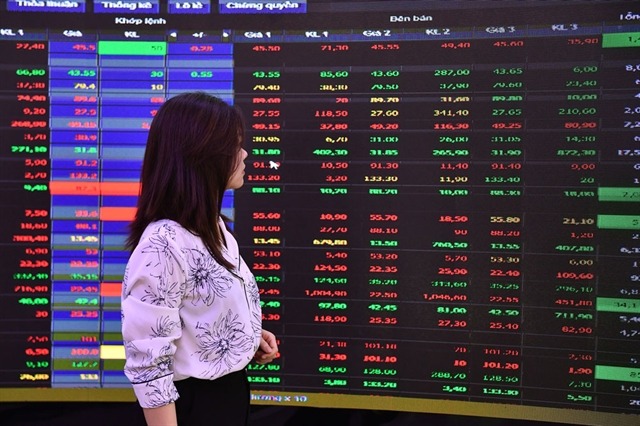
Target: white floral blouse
[(184, 314)]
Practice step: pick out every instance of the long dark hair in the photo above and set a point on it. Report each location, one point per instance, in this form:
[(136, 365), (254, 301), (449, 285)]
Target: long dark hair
[(192, 150)]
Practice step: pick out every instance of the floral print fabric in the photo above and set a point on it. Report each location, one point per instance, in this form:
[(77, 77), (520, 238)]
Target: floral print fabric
[(184, 314)]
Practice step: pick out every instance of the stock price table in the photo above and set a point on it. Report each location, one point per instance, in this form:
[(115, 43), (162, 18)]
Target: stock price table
[(450, 213)]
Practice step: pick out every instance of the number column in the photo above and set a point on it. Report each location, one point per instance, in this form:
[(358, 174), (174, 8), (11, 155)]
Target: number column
[(258, 86), (319, 110), (25, 294), (129, 99), (560, 264), (618, 222), (75, 210), (379, 365), (500, 93), (436, 160)]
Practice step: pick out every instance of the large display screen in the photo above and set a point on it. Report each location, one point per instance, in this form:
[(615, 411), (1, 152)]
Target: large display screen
[(441, 202)]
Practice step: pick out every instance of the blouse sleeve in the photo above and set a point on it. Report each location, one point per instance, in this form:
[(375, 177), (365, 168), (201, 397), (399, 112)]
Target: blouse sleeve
[(151, 294)]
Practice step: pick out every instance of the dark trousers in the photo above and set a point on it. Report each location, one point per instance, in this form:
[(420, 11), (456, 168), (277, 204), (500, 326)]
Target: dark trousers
[(220, 402)]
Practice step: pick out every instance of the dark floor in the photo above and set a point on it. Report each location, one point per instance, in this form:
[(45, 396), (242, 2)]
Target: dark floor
[(116, 414)]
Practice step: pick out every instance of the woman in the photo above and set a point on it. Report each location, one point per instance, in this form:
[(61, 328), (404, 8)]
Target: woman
[(191, 319)]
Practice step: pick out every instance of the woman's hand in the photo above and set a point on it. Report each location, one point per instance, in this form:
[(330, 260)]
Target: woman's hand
[(268, 349)]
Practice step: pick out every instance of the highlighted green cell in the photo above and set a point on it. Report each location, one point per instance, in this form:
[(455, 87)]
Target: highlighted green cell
[(610, 221), (76, 364), (625, 195), (113, 364), (612, 304), (112, 337), (143, 48), (621, 40), (618, 374)]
